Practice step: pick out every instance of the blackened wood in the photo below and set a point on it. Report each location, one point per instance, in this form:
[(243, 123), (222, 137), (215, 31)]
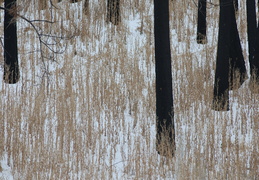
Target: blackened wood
[(201, 27), (11, 66), (86, 7), (113, 11), (253, 44), (165, 142), (230, 65), (236, 5), (74, 1)]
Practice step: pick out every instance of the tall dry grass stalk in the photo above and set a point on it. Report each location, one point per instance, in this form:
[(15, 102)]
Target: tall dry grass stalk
[(94, 116)]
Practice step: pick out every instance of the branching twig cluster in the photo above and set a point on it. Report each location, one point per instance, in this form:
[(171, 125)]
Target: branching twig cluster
[(50, 42)]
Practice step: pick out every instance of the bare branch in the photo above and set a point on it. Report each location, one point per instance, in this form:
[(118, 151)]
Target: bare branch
[(54, 43)]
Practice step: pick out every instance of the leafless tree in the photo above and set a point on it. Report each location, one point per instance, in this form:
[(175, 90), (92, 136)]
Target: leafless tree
[(50, 41)]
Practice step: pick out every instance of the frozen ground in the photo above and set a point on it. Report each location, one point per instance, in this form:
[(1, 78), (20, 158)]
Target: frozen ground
[(115, 68)]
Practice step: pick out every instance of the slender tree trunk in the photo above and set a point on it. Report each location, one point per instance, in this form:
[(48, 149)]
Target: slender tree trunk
[(253, 44), (201, 28), (165, 138), (11, 65), (86, 7), (113, 11), (230, 65)]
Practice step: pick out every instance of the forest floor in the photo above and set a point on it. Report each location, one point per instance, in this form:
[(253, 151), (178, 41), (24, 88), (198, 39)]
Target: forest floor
[(90, 113)]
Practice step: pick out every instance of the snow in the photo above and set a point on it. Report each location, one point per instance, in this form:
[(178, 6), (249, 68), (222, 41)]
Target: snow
[(117, 154), (5, 170)]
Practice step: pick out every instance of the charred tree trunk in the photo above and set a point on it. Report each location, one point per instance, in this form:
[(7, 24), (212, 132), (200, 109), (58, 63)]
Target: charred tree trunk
[(230, 65), (201, 28), (11, 66), (253, 44), (165, 138), (236, 5), (86, 7), (113, 11)]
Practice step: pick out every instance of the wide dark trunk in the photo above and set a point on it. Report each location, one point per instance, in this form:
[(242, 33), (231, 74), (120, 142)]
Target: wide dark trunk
[(201, 28), (113, 11), (253, 44), (230, 65), (11, 66), (165, 142)]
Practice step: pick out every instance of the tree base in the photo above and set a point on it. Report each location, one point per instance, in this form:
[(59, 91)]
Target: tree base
[(201, 38), (254, 85), (165, 145)]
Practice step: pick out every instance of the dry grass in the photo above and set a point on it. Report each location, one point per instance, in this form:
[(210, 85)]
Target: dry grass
[(94, 116)]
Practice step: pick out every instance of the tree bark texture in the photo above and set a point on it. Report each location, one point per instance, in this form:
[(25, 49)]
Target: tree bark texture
[(74, 1), (113, 11), (201, 28), (230, 65), (236, 5), (253, 44), (86, 7), (11, 65), (165, 138)]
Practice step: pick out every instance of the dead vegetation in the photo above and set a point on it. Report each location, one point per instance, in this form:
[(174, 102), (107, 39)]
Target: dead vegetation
[(94, 116)]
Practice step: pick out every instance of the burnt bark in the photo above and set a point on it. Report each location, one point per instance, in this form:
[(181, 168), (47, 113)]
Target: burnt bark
[(86, 7), (230, 65), (165, 137), (253, 44), (113, 11), (11, 65), (201, 27), (236, 5), (74, 1)]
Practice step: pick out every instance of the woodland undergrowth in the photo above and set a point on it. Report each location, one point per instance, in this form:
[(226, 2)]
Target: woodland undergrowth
[(90, 114)]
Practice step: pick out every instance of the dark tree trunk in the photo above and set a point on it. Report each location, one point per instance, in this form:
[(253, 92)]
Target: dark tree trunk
[(230, 65), (201, 28), (74, 1), (11, 66), (253, 44), (236, 5), (113, 11), (165, 142), (86, 7)]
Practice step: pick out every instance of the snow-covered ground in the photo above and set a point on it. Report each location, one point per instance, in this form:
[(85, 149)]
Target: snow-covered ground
[(94, 116)]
